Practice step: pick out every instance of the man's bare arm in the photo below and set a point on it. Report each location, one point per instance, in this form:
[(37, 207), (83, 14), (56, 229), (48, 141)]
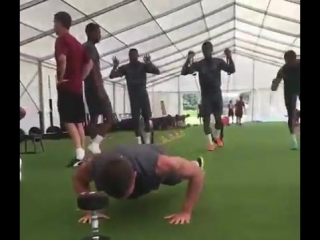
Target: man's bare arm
[(187, 170), (61, 66), (117, 72), (87, 69), (277, 80), (189, 68), (81, 178)]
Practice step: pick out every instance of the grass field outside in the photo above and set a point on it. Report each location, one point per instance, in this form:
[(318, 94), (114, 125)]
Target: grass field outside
[(251, 192), (193, 119)]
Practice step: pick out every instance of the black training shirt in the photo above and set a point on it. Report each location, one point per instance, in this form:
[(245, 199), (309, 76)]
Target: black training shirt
[(291, 77), (136, 75), (209, 73), (93, 53)]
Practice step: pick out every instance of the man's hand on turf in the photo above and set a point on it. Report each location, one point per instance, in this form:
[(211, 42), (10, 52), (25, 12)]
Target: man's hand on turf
[(179, 218), (87, 218)]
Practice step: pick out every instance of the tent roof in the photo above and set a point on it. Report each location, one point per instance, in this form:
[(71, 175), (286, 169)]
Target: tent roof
[(259, 29)]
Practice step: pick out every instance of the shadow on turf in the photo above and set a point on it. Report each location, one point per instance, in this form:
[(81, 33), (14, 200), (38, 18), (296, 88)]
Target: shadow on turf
[(147, 207)]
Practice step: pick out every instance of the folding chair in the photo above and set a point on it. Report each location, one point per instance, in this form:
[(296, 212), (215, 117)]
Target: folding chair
[(35, 136)]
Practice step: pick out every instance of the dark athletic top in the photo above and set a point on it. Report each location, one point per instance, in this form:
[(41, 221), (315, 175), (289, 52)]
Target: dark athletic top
[(93, 53), (144, 160), (136, 76), (209, 74), (291, 77)]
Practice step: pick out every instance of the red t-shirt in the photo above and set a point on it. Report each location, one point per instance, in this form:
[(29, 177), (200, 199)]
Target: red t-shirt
[(76, 56), (239, 106)]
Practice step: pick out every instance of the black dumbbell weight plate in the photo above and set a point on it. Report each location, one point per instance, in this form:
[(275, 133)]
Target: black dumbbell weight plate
[(93, 201)]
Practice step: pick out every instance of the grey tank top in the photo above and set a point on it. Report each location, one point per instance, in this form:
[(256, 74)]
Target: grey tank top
[(144, 160)]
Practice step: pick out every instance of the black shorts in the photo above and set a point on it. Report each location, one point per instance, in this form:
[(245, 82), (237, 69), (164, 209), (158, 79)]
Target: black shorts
[(290, 100), (98, 106), (71, 107), (239, 114), (230, 113), (140, 106), (213, 105)]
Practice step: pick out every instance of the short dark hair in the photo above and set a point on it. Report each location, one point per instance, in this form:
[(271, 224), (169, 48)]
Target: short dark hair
[(290, 54), (207, 43), (64, 18), (116, 176), (91, 27), (133, 50)]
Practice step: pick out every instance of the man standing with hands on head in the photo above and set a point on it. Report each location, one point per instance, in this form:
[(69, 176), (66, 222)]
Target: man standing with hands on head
[(209, 70), (135, 73), (73, 65)]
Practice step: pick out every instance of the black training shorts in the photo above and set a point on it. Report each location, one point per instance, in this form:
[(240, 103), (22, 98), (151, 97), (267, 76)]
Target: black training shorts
[(140, 105), (230, 113), (98, 106), (71, 107), (212, 105), (290, 100)]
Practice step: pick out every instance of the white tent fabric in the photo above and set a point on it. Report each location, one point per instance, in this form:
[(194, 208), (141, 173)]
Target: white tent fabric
[(257, 31)]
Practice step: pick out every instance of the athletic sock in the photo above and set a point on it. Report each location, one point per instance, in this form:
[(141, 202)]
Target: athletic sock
[(98, 139), (139, 140), (217, 133), (209, 136), (294, 140), (80, 154), (148, 137)]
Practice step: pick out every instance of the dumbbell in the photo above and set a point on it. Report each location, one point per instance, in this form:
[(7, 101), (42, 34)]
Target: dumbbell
[(93, 202)]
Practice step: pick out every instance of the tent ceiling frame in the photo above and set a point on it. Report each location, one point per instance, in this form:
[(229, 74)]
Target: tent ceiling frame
[(165, 33), (184, 39), (255, 51), (31, 4), (265, 38), (261, 59), (264, 12), (80, 20), (267, 28), (203, 15), (293, 1), (106, 10), (158, 34), (29, 56), (125, 2), (161, 15), (260, 45)]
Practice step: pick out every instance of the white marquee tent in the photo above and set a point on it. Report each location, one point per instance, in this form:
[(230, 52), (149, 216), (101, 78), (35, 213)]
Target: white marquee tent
[(257, 31)]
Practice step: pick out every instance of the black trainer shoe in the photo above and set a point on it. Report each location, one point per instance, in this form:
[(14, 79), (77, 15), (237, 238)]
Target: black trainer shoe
[(74, 163), (200, 161)]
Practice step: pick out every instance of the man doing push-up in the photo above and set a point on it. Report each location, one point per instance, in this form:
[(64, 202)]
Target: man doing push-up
[(132, 171)]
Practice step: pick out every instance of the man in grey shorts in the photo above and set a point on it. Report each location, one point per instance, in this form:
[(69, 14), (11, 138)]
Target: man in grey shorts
[(132, 171)]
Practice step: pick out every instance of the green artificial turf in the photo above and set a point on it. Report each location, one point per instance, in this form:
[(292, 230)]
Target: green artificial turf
[(252, 192)]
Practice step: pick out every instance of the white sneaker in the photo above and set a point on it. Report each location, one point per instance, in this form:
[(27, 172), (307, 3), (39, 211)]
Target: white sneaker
[(94, 148)]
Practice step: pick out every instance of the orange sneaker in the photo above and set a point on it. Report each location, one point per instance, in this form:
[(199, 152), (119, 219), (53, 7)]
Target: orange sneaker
[(219, 142), (211, 147)]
